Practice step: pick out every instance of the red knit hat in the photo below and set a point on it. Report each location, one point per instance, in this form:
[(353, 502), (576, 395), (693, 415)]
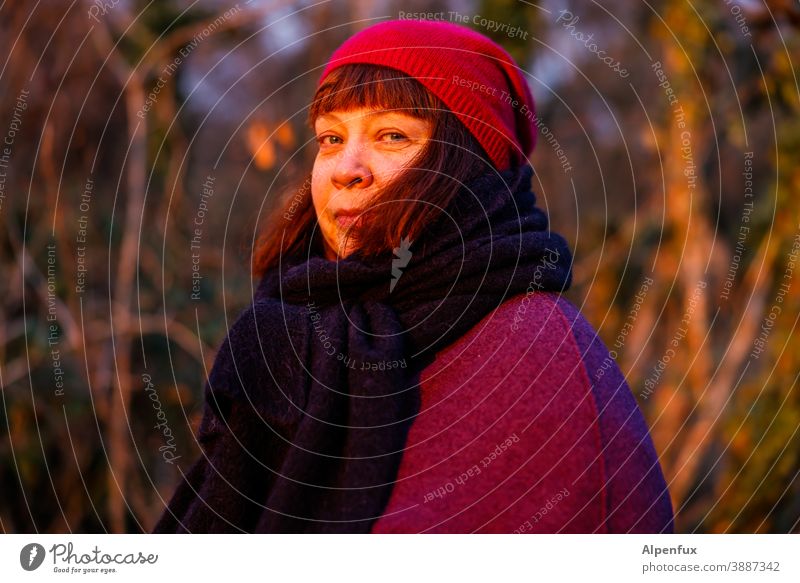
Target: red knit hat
[(474, 76)]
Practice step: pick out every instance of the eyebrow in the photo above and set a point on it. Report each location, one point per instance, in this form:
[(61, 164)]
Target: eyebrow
[(370, 114)]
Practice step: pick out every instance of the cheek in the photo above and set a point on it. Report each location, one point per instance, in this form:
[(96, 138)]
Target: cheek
[(320, 193), (387, 167)]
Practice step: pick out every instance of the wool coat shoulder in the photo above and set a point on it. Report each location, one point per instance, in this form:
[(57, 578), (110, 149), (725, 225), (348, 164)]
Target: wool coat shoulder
[(528, 426)]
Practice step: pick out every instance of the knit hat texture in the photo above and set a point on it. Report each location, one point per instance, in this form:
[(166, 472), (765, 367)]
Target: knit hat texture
[(474, 77)]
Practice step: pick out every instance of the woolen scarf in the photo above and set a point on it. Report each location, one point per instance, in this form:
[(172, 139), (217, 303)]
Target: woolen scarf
[(312, 393)]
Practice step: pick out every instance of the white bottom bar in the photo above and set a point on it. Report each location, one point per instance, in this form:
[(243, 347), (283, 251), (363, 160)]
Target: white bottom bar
[(400, 558)]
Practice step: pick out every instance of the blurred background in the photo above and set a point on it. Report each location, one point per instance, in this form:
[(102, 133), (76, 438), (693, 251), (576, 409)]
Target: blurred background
[(142, 144)]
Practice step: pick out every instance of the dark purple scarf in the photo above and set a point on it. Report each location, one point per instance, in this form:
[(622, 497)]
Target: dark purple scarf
[(313, 391)]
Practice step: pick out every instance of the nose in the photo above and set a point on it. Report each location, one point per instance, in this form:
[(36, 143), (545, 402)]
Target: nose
[(352, 168)]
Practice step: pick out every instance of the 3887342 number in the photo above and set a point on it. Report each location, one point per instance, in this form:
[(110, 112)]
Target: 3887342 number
[(760, 566)]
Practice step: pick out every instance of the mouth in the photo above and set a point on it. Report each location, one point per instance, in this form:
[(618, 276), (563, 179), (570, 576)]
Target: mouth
[(346, 218)]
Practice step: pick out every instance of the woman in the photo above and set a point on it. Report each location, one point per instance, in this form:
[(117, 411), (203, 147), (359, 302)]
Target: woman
[(407, 363)]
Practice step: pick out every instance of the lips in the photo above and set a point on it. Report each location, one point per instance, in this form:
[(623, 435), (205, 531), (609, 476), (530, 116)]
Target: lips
[(346, 218)]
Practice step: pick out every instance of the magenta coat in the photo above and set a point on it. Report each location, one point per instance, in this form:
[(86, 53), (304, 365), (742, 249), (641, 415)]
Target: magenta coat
[(528, 426)]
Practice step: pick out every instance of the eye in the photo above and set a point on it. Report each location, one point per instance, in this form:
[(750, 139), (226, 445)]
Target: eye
[(393, 137), (328, 140)]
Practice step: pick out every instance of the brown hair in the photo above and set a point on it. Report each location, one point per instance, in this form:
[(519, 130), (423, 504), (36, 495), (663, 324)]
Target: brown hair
[(452, 156)]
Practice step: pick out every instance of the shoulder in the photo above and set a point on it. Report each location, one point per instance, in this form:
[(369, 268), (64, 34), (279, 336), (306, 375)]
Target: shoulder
[(635, 494), (543, 315), (544, 321), (528, 344), (544, 337), (535, 367), (518, 374)]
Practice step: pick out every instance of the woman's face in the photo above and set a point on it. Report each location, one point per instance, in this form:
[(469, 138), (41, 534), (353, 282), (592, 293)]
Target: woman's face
[(360, 151)]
